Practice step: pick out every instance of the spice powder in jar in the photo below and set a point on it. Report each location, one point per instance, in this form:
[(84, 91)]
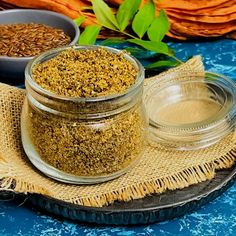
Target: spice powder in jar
[(84, 111)]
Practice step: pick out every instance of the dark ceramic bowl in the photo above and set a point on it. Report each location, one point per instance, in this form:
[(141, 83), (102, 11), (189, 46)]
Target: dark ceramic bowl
[(12, 68)]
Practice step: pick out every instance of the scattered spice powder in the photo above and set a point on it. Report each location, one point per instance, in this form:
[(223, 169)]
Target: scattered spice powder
[(86, 147), (86, 73), (26, 40)]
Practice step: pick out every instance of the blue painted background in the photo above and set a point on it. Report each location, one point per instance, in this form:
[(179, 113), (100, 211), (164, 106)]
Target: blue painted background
[(215, 218)]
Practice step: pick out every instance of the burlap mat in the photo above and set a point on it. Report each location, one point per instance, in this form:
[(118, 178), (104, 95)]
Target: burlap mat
[(159, 169)]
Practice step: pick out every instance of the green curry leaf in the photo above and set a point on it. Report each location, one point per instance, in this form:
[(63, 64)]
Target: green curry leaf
[(89, 35), (158, 47), (79, 20), (163, 63), (126, 12), (104, 14), (143, 19), (112, 41), (159, 27)]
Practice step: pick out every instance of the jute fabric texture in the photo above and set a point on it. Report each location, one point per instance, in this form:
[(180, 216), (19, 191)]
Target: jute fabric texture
[(159, 169)]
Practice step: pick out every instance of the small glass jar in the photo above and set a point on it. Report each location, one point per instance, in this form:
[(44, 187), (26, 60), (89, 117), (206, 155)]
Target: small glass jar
[(83, 140), (188, 112)]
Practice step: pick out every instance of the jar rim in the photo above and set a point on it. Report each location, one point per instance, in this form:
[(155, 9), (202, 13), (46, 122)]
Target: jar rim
[(220, 114), (29, 77), (202, 133)]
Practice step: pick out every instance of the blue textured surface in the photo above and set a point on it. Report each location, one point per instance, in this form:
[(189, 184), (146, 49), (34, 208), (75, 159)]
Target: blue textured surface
[(215, 218)]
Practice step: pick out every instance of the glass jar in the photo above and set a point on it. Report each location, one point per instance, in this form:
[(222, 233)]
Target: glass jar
[(83, 140), (188, 112)]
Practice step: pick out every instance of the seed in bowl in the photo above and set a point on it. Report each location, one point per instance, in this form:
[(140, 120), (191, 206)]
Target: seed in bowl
[(26, 40)]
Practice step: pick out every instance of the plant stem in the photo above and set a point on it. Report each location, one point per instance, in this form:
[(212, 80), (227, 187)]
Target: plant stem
[(177, 59), (125, 33), (134, 37)]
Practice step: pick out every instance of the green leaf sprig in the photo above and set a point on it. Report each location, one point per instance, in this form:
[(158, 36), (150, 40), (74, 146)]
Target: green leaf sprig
[(143, 19), (126, 12), (148, 29), (89, 35)]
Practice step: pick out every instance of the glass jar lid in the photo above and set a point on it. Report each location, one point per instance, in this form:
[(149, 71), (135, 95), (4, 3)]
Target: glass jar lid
[(190, 112)]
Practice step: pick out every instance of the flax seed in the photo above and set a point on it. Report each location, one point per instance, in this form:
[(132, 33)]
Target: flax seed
[(29, 39)]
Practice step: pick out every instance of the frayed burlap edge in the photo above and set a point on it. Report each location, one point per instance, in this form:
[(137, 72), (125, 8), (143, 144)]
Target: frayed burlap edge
[(189, 176)]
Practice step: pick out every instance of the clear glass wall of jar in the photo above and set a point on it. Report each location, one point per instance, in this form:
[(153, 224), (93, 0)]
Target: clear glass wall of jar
[(83, 140)]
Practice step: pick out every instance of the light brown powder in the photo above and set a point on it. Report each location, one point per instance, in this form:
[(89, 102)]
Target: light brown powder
[(87, 147), (86, 73)]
